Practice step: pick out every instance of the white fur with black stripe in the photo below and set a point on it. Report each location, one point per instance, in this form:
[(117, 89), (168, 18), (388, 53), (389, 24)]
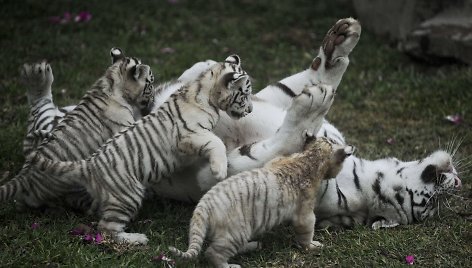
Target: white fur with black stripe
[(152, 149)]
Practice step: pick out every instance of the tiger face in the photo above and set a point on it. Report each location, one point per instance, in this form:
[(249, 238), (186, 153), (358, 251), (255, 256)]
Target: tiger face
[(428, 180), (235, 87), (137, 79)]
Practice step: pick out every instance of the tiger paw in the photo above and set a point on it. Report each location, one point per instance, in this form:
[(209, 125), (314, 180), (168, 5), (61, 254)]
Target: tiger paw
[(37, 77), (384, 224), (219, 169), (338, 43), (314, 245), (131, 238)]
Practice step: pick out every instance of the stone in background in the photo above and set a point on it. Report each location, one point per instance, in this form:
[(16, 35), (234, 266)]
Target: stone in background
[(430, 30)]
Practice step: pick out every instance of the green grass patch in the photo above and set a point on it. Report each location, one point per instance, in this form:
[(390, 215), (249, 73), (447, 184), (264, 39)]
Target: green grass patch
[(383, 95)]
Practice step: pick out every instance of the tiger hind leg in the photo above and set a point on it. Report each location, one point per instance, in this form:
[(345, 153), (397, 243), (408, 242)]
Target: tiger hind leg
[(220, 250), (38, 79), (332, 59), (116, 212), (250, 246)]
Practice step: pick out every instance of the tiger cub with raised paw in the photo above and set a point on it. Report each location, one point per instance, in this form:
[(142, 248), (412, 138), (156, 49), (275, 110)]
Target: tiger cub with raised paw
[(109, 106), (152, 149), (44, 115), (245, 205)]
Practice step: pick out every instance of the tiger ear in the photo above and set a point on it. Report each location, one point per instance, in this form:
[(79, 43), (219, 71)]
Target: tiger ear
[(235, 59), (238, 81), (430, 173), (343, 153), (116, 54)]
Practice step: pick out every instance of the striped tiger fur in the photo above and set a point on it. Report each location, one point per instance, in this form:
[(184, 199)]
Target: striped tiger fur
[(109, 106), (150, 150), (250, 203), (45, 115), (346, 198), (386, 192)]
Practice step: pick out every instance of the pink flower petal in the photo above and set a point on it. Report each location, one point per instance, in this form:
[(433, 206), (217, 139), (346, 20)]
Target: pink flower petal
[(410, 259), (456, 119), (98, 238), (83, 16), (34, 226), (390, 141), (87, 238), (163, 258), (167, 50)]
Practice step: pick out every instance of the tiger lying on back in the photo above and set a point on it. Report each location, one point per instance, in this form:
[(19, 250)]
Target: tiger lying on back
[(235, 211), (150, 150), (109, 106), (380, 193)]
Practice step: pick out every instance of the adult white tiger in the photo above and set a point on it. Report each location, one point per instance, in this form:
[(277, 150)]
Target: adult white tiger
[(109, 106), (164, 141), (381, 193)]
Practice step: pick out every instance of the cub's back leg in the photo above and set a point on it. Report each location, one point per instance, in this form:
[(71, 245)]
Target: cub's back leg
[(38, 79), (332, 59), (119, 208)]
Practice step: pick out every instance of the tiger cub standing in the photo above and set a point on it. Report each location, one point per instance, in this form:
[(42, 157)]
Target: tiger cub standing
[(108, 107), (247, 204), (150, 150)]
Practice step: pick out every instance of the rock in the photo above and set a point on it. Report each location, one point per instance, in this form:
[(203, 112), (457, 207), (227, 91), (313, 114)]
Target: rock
[(395, 19), (425, 29), (446, 35)]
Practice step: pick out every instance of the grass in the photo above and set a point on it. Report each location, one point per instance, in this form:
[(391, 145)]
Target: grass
[(383, 95)]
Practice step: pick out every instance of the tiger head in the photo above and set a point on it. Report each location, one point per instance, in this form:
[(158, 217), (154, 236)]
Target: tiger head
[(232, 91), (428, 180), (137, 80), (332, 154)]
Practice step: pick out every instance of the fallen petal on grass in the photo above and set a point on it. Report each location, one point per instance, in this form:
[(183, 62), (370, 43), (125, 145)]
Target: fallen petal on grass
[(34, 225), (167, 50), (98, 238), (83, 16), (455, 119), (390, 141), (163, 258), (410, 259)]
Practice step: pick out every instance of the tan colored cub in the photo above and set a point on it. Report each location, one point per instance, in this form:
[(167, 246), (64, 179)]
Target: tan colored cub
[(247, 204)]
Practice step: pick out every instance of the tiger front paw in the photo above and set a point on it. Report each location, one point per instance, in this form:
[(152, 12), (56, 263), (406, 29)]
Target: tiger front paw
[(219, 169)]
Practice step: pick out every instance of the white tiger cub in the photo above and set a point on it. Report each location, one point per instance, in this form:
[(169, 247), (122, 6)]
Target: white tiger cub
[(45, 115), (235, 211), (104, 110), (150, 150)]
